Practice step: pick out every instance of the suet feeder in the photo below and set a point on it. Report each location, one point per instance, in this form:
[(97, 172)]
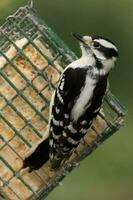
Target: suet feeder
[(32, 57)]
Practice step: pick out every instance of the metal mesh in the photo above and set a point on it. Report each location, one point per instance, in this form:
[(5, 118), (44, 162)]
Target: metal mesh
[(32, 57)]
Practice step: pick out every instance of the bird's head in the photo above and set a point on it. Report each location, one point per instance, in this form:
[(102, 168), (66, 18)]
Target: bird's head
[(101, 48)]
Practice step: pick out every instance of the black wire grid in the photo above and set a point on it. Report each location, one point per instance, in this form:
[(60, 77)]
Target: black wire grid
[(24, 102)]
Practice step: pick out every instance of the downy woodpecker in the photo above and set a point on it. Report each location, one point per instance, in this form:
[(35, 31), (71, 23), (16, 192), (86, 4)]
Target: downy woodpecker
[(76, 101)]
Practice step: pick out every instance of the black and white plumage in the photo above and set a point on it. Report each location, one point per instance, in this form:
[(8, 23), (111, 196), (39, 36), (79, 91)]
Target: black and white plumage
[(76, 101)]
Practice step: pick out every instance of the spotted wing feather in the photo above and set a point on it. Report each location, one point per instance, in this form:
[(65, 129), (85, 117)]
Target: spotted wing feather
[(65, 134)]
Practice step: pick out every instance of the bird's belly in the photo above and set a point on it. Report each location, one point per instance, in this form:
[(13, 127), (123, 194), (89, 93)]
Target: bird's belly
[(83, 101)]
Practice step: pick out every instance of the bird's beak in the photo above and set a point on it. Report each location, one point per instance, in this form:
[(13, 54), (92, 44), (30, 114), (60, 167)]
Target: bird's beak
[(86, 40), (78, 37)]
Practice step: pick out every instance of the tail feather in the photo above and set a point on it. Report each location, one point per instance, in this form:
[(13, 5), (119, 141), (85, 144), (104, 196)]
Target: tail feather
[(39, 157)]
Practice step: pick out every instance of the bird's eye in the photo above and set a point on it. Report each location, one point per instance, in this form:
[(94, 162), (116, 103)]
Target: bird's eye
[(96, 45)]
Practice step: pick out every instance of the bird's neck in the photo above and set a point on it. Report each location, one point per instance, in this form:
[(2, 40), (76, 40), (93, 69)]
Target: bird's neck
[(102, 64), (108, 64), (88, 60)]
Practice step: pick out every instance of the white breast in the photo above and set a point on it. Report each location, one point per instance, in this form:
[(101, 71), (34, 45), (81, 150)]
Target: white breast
[(84, 97)]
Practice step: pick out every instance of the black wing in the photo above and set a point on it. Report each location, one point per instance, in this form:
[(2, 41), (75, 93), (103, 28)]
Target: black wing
[(65, 134), (61, 141)]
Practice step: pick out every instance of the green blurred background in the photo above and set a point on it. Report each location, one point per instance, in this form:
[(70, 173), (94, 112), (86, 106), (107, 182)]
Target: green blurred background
[(108, 173)]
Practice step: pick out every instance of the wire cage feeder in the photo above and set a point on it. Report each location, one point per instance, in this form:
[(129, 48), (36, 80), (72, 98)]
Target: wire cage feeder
[(32, 57)]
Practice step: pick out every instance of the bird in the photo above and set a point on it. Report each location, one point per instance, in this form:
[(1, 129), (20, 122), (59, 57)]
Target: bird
[(76, 102)]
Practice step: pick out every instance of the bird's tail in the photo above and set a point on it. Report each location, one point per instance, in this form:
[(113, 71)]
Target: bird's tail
[(38, 157)]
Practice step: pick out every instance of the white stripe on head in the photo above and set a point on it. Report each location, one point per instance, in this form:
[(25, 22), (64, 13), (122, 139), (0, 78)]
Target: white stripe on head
[(99, 54), (106, 44)]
